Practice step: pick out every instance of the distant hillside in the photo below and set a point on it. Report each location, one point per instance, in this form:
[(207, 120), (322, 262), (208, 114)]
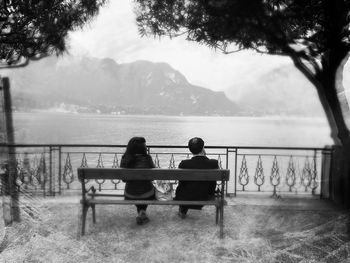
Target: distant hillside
[(102, 85), (282, 91)]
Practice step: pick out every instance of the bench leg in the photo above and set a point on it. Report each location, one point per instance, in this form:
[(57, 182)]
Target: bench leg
[(93, 214), (221, 220), (217, 215), (83, 218)]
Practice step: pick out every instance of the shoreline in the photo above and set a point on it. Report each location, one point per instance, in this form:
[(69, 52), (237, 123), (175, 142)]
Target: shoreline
[(241, 117)]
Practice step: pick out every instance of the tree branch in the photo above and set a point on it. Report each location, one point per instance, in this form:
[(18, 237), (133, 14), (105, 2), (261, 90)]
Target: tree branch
[(274, 53), (303, 68), (24, 63), (304, 55), (224, 50), (178, 34)]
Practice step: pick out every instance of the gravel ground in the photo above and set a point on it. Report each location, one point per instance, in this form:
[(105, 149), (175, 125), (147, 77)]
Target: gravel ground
[(254, 232)]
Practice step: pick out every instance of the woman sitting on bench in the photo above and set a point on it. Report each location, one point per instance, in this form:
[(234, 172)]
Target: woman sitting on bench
[(136, 156)]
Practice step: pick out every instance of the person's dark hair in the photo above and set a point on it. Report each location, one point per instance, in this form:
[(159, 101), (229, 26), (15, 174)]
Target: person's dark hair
[(136, 145), (196, 145)]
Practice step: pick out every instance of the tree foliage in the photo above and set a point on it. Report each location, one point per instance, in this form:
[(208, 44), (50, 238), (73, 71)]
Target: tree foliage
[(32, 29), (304, 28), (315, 34)]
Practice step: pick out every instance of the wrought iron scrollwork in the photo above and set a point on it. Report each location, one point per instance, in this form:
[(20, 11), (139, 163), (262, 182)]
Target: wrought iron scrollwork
[(84, 164), (218, 184), (68, 175), (34, 171), (115, 165), (259, 177), (291, 176), (115, 161), (100, 165), (172, 162), (19, 180), (84, 161), (41, 172), (156, 161), (243, 177), (25, 171), (306, 176), (4, 170), (99, 161), (314, 183), (275, 177), (219, 161)]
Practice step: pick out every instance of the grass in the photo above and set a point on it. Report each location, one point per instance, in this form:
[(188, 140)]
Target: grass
[(253, 233)]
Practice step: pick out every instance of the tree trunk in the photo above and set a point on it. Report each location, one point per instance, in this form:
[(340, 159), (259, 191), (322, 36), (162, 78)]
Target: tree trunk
[(331, 82), (328, 81)]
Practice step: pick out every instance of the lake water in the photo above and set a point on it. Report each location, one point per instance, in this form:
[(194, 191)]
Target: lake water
[(65, 128)]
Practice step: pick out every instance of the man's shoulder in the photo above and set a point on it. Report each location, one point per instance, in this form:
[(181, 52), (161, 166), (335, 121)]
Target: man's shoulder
[(199, 163), (214, 163), (184, 163)]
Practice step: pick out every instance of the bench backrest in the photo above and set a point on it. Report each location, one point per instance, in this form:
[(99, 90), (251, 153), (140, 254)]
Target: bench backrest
[(155, 174)]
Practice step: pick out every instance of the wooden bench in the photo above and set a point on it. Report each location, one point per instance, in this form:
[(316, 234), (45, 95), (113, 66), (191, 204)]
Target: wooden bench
[(90, 198)]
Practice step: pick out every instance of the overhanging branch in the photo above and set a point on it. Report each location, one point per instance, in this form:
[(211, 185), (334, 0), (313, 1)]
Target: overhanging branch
[(304, 69), (231, 51), (265, 52), (23, 63)]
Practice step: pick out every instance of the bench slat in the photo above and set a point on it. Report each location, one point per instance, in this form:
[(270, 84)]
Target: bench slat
[(154, 174), (150, 202), (111, 195)]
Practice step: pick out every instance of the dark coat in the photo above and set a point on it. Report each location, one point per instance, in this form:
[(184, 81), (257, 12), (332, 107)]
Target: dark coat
[(136, 188), (195, 190)]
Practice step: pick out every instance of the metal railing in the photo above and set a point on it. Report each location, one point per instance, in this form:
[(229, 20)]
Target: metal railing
[(51, 169)]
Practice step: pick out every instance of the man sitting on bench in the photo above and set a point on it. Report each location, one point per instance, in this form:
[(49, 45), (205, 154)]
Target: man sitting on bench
[(194, 190)]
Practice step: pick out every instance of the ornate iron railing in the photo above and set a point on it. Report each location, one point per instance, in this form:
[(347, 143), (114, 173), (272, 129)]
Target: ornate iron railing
[(51, 169)]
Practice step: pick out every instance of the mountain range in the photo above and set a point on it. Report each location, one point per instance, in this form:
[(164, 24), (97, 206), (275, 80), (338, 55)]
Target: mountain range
[(142, 87), (283, 91), (102, 85)]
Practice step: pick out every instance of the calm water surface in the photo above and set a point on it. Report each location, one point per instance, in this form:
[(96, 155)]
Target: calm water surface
[(68, 128)]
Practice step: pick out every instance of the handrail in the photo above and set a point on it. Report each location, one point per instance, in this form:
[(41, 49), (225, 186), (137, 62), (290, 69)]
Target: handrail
[(330, 148)]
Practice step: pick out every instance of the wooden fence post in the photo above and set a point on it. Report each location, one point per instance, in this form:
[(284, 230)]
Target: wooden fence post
[(8, 161)]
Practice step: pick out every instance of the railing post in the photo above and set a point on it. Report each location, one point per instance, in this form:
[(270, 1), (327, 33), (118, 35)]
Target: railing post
[(43, 163), (326, 173), (227, 168), (314, 174), (60, 169), (236, 153), (50, 170)]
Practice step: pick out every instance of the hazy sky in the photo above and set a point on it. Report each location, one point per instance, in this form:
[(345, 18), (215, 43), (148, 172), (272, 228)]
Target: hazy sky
[(113, 33)]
